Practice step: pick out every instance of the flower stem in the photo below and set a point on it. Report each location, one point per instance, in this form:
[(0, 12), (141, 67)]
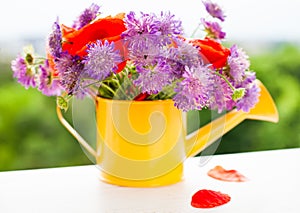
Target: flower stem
[(195, 30), (226, 80), (108, 88)]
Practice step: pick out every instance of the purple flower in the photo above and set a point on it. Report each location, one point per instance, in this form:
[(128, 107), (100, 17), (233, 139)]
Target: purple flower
[(86, 17), (167, 24), (146, 24), (144, 49), (153, 79), (55, 40), (214, 10), (213, 29), (164, 25), (141, 37), (250, 98), (184, 54), (49, 85), (25, 74), (192, 91), (147, 35), (252, 92), (220, 95), (70, 70), (238, 63), (102, 60)]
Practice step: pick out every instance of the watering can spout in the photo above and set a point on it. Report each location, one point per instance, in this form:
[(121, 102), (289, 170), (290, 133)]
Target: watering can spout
[(264, 110)]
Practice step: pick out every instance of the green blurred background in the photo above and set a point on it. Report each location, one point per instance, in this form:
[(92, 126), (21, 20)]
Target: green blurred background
[(32, 137)]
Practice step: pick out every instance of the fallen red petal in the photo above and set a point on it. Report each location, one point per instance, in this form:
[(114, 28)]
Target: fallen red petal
[(220, 173), (205, 198)]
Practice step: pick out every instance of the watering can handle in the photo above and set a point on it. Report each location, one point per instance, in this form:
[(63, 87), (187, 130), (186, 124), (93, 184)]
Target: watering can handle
[(75, 134)]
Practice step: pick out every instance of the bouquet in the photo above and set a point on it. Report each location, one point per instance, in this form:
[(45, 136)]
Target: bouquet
[(141, 56)]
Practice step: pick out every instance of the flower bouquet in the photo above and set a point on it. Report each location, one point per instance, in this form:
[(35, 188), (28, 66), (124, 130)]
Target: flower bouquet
[(143, 73), (141, 57)]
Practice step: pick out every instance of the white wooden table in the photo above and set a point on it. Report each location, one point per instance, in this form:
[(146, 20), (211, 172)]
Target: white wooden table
[(274, 186)]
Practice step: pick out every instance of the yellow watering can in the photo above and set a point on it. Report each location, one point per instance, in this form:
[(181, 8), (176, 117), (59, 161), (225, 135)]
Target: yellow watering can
[(144, 143)]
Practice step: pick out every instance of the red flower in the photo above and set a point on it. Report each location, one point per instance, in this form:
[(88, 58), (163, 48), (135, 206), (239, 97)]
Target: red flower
[(212, 51), (141, 96), (108, 28)]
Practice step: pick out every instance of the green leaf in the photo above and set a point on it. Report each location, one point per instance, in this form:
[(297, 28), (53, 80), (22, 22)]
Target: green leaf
[(62, 103), (238, 94)]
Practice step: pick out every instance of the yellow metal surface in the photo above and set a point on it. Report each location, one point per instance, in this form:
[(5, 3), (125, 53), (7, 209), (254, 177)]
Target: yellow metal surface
[(140, 143), (172, 177)]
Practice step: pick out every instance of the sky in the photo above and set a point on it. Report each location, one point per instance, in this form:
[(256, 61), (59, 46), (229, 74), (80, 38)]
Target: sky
[(255, 20)]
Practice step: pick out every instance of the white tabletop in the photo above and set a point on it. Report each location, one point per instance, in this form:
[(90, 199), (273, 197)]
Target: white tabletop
[(274, 186)]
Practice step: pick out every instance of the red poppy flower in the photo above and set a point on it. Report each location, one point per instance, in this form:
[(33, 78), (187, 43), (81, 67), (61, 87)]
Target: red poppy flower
[(212, 51), (108, 28)]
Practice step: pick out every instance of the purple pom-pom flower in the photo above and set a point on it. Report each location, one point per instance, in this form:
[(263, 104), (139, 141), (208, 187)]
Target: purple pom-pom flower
[(102, 60)]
